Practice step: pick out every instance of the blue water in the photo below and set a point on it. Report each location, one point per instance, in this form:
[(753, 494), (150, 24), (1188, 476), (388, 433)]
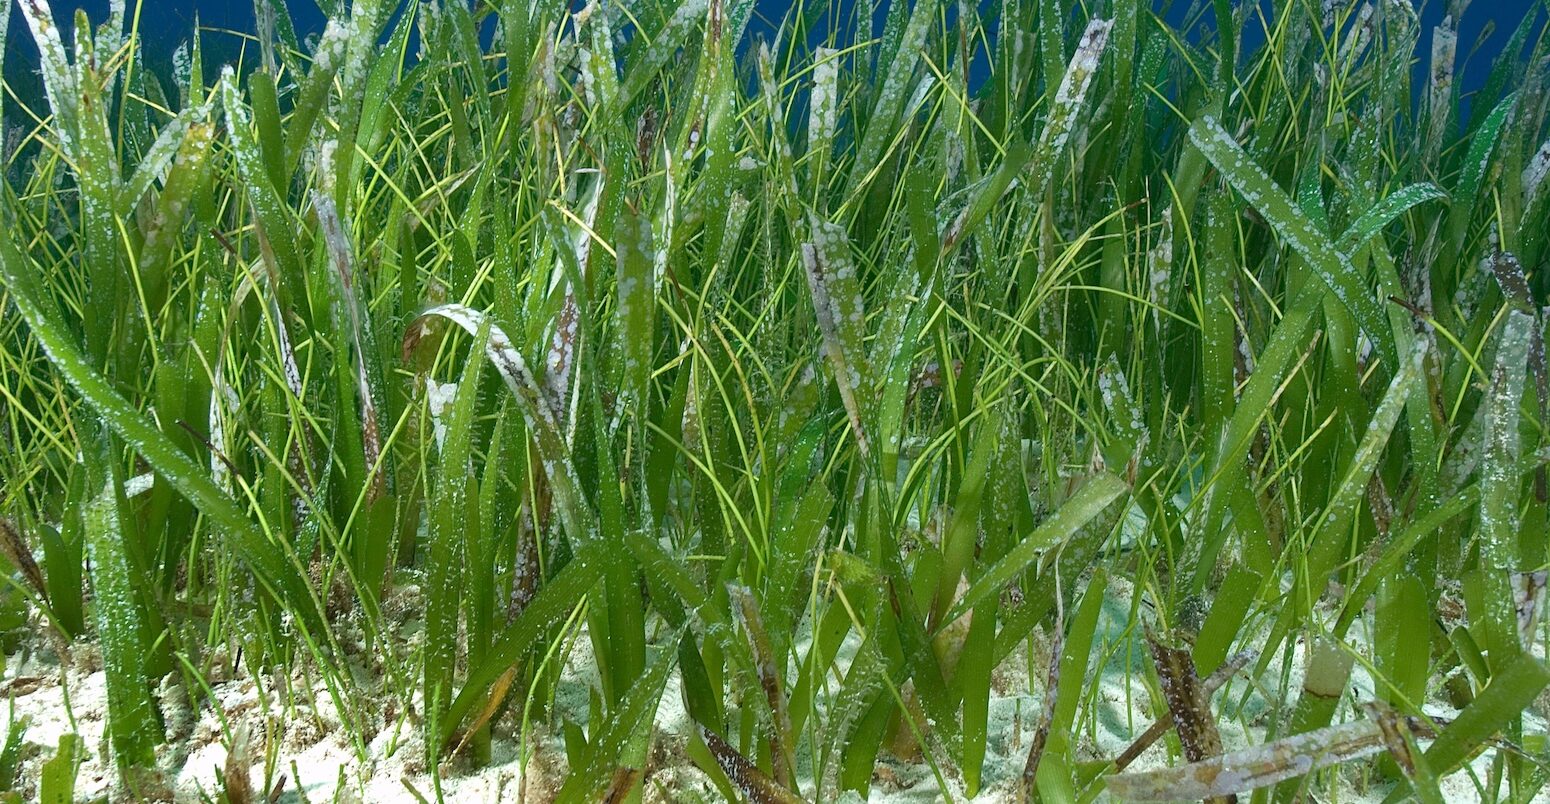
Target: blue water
[(165, 24)]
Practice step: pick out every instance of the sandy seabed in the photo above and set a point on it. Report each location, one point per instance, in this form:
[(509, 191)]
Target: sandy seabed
[(304, 751)]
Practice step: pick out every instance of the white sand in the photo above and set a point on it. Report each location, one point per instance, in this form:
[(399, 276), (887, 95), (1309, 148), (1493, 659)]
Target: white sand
[(319, 763)]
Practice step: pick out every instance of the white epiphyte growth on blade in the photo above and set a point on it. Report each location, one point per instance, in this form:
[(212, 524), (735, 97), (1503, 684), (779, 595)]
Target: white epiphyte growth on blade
[(341, 255), (1500, 473), (1533, 177), (561, 355), (542, 421), (837, 306), (60, 80), (1069, 99), (1444, 49), (1259, 766), (823, 112)]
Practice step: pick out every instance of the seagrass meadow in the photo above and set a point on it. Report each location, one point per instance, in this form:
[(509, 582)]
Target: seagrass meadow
[(647, 400)]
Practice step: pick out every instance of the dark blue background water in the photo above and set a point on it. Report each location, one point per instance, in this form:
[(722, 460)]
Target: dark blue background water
[(165, 24)]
